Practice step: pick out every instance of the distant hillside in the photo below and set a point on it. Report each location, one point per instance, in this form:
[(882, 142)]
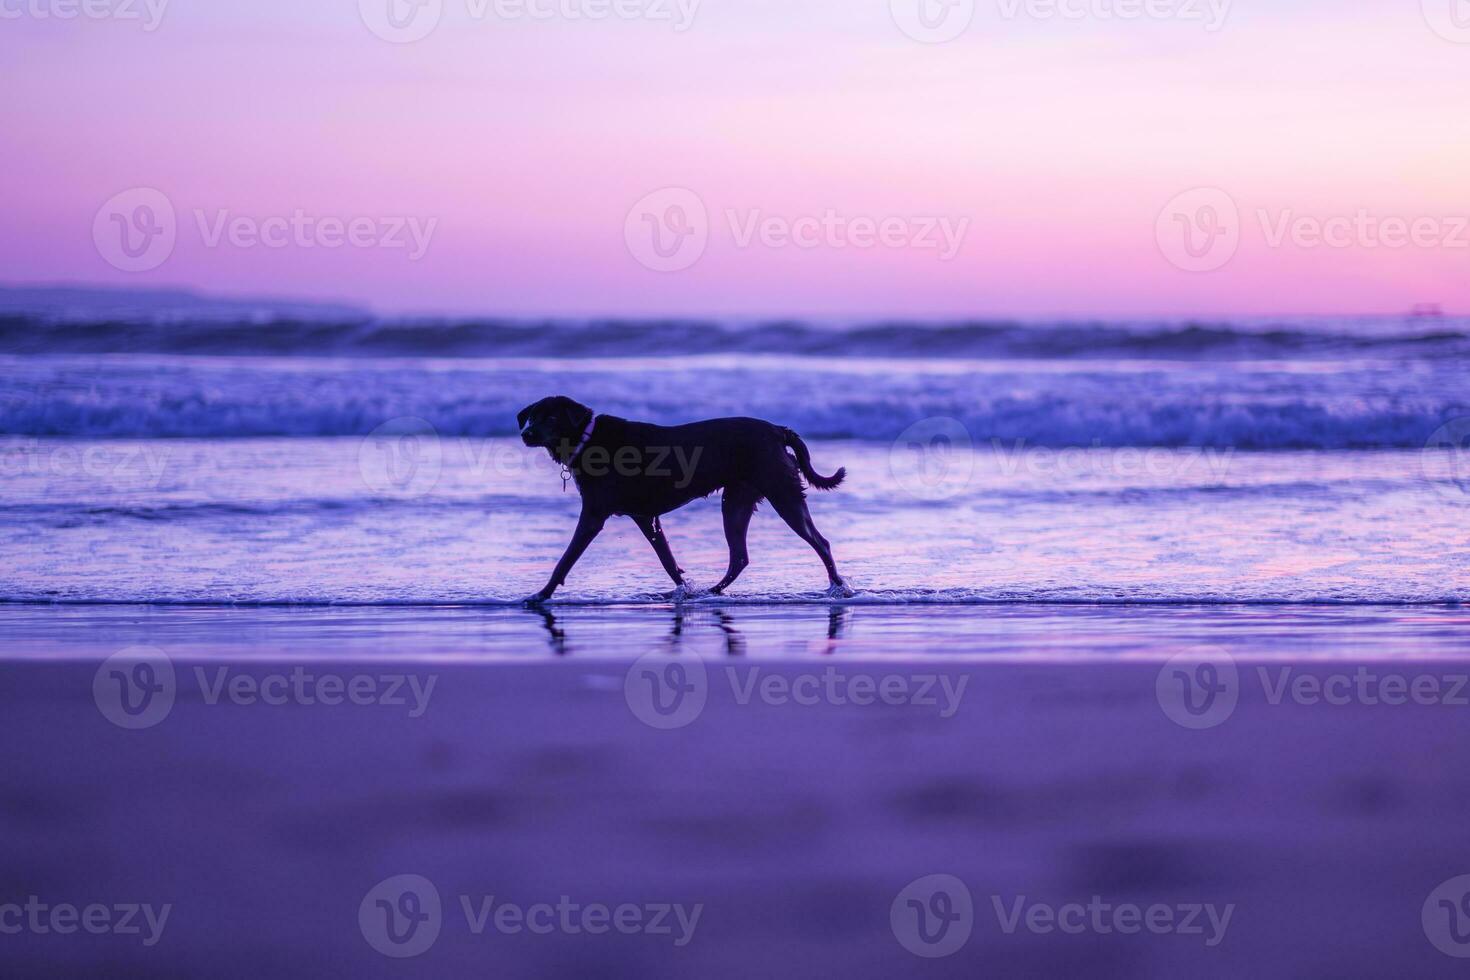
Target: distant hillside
[(66, 301)]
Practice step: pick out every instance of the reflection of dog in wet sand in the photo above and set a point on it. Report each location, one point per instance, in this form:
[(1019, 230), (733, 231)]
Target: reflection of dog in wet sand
[(643, 471)]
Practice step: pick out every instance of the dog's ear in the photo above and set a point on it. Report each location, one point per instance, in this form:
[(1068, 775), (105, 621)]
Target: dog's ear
[(523, 416)]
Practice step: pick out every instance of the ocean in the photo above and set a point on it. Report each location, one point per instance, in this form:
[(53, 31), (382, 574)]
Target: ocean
[(155, 460)]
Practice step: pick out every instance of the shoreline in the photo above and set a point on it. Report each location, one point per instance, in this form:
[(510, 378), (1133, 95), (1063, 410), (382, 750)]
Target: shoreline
[(816, 600)]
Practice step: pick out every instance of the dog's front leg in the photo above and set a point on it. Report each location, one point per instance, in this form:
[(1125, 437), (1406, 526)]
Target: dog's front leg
[(588, 526), (654, 532)]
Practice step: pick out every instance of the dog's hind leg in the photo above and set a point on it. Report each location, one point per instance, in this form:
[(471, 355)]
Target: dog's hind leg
[(738, 504), (654, 532), (791, 505)]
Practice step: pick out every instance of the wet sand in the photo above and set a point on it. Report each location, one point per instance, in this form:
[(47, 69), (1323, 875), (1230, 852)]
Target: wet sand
[(532, 773)]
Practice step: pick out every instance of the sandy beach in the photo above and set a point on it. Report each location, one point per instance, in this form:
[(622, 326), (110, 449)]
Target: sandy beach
[(815, 782)]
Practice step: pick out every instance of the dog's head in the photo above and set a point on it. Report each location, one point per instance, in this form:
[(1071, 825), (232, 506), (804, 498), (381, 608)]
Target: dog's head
[(553, 423)]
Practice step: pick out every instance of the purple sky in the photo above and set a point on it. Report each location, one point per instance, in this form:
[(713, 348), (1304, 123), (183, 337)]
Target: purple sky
[(829, 152)]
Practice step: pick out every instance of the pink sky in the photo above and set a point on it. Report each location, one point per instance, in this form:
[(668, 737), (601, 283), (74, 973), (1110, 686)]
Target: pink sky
[(526, 141)]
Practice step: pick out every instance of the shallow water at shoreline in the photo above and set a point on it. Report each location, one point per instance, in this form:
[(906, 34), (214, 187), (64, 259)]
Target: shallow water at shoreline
[(401, 518), (1035, 634)]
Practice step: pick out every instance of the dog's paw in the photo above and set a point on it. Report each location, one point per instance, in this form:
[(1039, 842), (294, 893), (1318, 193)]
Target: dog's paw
[(685, 592), (840, 590), (533, 601)]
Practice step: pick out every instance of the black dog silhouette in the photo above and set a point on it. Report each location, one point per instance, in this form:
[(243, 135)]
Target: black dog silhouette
[(643, 471)]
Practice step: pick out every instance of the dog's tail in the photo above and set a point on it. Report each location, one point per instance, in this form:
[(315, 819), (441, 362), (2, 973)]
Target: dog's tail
[(804, 461)]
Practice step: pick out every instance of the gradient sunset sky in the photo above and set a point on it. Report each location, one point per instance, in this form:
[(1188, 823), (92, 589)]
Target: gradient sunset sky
[(1059, 140)]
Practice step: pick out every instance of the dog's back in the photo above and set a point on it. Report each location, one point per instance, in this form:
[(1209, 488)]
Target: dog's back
[(680, 463)]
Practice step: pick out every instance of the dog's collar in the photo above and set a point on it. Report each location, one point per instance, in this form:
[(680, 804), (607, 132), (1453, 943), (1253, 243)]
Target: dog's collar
[(566, 468), (586, 435)]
